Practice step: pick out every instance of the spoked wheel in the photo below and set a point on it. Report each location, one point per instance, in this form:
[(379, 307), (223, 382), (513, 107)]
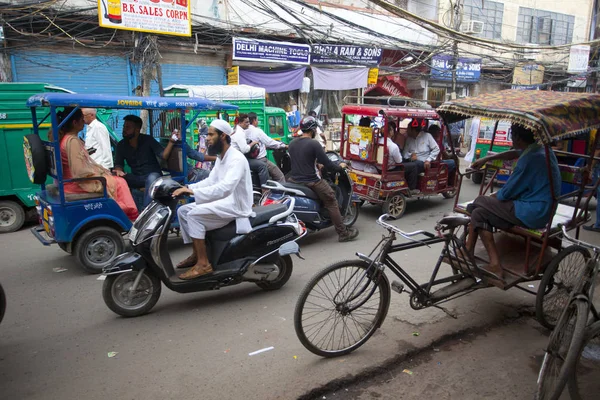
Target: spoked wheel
[(120, 299), (561, 275), (395, 205), (563, 351), (584, 383), (352, 214), (341, 307)]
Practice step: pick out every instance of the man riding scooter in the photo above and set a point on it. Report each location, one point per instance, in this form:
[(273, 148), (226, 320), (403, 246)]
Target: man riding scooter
[(304, 154), (224, 196)]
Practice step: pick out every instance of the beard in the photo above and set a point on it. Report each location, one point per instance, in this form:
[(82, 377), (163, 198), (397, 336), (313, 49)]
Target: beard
[(216, 148), (128, 137)]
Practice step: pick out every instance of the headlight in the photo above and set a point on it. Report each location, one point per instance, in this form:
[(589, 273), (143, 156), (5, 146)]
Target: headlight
[(155, 185), (149, 227)]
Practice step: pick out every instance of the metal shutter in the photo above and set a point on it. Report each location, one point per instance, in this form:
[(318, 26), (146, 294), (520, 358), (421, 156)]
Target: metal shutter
[(190, 75)]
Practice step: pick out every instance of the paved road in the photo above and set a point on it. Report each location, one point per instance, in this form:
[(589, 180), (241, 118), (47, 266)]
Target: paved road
[(55, 339)]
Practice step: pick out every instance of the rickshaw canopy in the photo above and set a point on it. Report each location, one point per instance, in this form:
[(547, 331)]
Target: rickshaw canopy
[(372, 110), (550, 115), (124, 102)]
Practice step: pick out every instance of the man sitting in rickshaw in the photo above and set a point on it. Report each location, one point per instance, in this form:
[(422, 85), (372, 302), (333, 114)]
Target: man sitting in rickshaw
[(420, 147), (395, 159), (435, 130), (525, 200)]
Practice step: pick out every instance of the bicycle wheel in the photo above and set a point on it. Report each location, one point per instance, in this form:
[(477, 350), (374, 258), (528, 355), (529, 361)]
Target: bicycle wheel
[(584, 383), (558, 282), (341, 307), (562, 350)]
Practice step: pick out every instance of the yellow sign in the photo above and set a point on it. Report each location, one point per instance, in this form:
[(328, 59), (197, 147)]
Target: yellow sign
[(373, 75), (529, 74), (233, 76), (168, 17), (357, 134)]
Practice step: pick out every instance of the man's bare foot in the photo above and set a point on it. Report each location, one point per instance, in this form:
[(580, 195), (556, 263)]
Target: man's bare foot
[(188, 262), (196, 271), (494, 275)]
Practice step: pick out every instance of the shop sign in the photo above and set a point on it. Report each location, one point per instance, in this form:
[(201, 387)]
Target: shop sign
[(345, 55), (528, 75), (168, 17), (467, 69), (269, 51), (373, 75), (579, 58), (233, 76)]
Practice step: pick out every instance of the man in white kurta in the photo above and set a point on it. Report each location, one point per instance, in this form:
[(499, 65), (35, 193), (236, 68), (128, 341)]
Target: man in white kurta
[(225, 196), (98, 138), (420, 147)]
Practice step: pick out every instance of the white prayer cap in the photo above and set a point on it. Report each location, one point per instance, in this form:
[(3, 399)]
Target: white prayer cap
[(221, 125)]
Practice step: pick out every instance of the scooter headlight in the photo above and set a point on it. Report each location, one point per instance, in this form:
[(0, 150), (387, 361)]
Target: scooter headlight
[(149, 227)]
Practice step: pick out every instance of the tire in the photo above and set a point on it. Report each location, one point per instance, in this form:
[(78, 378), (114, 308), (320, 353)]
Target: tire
[(356, 274), (97, 247), (563, 351), (449, 194), (352, 215), (285, 266), (12, 216), (115, 288), (35, 158), (395, 205), (557, 283), (584, 383), (2, 303), (477, 177)]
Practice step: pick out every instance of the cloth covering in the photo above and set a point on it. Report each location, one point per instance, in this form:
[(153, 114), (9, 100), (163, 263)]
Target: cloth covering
[(274, 81), (340, 78)]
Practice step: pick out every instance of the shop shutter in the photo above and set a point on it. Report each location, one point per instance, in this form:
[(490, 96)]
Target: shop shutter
[(173, 74)]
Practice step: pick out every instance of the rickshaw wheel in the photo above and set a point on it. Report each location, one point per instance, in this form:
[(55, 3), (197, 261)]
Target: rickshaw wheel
[(477, 177), (395, 205), (97, 247), (560, 276)]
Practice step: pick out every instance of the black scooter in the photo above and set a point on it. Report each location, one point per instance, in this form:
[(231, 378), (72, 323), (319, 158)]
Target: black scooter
[(133, 280)]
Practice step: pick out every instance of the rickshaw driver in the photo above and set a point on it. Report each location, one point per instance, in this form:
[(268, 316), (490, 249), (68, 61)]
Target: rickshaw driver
[(141, 153), (225, 196), (304, 152), (524, 200)]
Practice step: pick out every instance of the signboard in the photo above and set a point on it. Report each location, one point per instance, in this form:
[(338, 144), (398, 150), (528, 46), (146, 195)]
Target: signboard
[(579, 59), (486, 131), (528, 75), (359, 138), (233, 76), (269, 51), (345, 55), (467, 69), (168, 17), (373, 75)]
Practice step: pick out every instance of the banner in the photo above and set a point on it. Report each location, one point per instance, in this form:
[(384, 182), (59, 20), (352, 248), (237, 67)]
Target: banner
[(345, 55), (274, 81), (168, 17), (467, 69), (269, 51), (528, 75), (579, 59), (233, 76), (373, 75), (340, 78)]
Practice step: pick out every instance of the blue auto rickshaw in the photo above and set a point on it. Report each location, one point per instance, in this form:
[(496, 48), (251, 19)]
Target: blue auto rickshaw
[(92, 226)]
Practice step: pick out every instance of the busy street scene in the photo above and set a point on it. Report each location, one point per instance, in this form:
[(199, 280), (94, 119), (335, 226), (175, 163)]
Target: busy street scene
[(300, 199)]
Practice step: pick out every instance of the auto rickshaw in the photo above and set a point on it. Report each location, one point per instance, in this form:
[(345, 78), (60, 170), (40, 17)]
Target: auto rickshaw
[(365, 147), (92, 225)]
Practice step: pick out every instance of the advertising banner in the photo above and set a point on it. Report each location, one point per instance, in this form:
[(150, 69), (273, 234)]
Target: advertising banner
[(579, 58), (345, 55), (269, 51), (528, 75), (233, 76), (467, 69)]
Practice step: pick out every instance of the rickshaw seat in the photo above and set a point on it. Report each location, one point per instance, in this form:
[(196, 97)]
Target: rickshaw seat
[(52, 190), (453, 221)]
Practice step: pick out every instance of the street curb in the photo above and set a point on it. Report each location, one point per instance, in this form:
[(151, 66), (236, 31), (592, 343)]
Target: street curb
[(371, 372)]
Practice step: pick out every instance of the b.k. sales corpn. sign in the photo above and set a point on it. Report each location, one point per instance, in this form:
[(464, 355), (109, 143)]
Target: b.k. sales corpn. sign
[(269, 51), (169, 17)]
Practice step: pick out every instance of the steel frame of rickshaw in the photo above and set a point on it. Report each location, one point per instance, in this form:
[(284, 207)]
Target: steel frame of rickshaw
[(385, 187)]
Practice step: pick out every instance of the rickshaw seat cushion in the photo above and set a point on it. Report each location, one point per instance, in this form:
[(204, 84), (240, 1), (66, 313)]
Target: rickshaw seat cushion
[(308, 192), (52, 190), (453, 221)]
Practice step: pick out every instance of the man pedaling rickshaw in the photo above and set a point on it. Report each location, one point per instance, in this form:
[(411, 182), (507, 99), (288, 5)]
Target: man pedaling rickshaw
[(524, 200)]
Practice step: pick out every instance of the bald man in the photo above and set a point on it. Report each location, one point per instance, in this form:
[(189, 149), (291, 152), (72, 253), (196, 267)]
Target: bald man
[(97, 137)]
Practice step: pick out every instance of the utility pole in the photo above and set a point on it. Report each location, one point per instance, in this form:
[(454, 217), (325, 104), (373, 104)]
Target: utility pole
[(456, 21)]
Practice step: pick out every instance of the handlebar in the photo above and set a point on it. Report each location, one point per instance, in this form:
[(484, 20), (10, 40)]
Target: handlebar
[(407, 235), (577, 241)]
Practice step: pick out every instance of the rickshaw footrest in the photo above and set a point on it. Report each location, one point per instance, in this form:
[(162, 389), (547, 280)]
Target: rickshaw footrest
[(42, 236)]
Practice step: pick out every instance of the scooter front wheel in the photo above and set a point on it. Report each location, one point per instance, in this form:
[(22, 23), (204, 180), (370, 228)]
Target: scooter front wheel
[(119, 297)]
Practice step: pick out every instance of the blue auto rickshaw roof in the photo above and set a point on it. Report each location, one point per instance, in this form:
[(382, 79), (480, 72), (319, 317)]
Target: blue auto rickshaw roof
[(124, 102)]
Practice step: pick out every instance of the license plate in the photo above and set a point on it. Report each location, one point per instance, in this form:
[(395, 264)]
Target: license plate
[(46, 227), (355, 178), (45, 214)]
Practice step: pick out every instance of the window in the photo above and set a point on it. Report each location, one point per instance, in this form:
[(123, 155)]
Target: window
[(488, 12), (276, 125), (544, 27)]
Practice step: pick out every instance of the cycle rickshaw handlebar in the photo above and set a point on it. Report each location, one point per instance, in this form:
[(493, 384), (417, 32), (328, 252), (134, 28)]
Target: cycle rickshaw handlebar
[(577, 241), (407, 235)]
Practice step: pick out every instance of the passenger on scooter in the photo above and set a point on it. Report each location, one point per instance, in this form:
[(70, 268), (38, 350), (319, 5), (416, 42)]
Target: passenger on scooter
[(420, 147), (256, 134), (239, 142), (141, 153), (226, 195), (304, 152)]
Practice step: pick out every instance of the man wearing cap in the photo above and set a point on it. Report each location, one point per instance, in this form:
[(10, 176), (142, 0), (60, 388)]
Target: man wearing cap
[(141, 153), (225, 196)]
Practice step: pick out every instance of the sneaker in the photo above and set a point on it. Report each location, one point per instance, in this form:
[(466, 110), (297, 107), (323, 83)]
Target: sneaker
[(350, 234)]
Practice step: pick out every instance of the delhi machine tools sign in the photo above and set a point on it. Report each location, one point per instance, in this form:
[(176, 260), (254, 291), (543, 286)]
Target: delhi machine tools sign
[(268, 51), (168, 17), (467, 69), (345, 55)]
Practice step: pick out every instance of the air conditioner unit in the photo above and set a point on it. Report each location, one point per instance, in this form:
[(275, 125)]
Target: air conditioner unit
[(471, 27)]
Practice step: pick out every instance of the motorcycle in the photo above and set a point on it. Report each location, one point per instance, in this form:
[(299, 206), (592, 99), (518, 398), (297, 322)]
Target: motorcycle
[(133, 280), (308, 207)]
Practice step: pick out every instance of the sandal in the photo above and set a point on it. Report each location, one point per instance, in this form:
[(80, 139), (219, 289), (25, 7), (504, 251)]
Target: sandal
[(187, 263), (195, 273)]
